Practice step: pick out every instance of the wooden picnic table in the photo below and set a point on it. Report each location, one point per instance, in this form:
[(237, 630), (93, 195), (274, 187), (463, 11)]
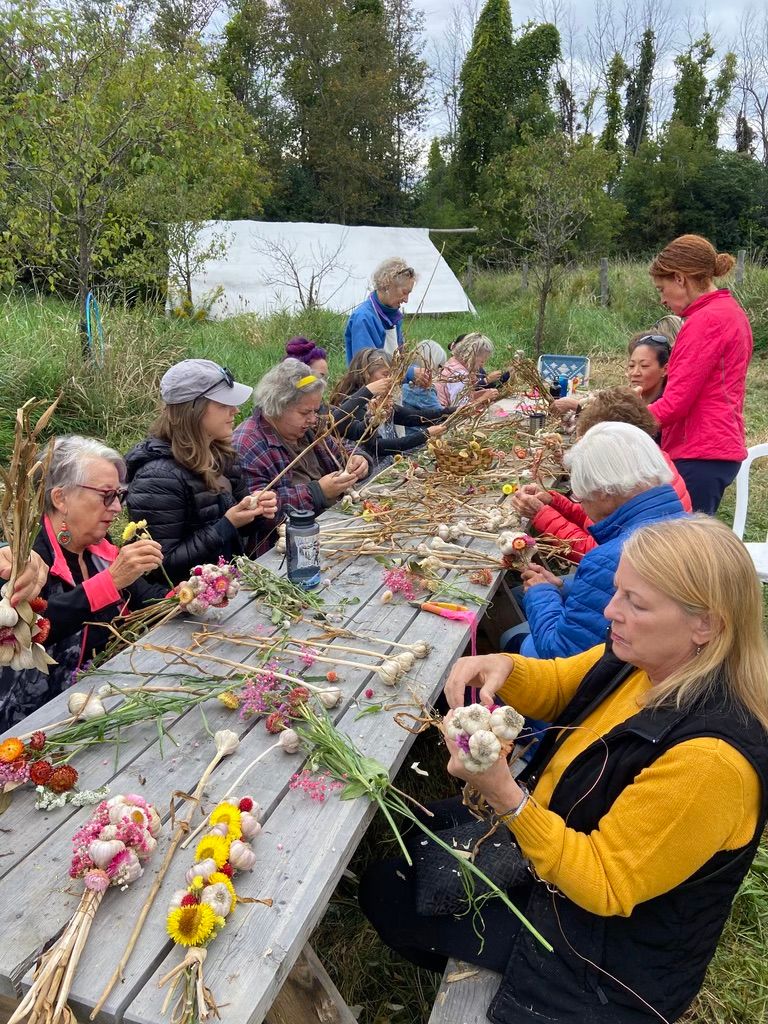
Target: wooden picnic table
[(261, 966)]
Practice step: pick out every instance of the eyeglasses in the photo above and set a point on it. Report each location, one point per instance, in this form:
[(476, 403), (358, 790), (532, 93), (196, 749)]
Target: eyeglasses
[(108, 494), (228, 379)]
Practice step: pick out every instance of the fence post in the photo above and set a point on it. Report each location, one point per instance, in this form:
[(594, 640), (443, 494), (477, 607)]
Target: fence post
[(524, 275), (470, 271), (604, 281), (740, 257)]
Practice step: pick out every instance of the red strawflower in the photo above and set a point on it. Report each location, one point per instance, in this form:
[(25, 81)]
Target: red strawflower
[(43, 629), (63, 778), (298, 695), (332, 677), (246, 804), (190, 900), (37, 740), (40, 772), (275, 722), (227, 869), (38, 605)]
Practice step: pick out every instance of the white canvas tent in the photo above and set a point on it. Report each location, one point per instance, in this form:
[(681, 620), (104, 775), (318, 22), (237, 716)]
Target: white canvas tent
[(269, 267)]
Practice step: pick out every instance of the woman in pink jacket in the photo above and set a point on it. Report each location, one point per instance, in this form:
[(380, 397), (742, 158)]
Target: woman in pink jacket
[(701, 411)]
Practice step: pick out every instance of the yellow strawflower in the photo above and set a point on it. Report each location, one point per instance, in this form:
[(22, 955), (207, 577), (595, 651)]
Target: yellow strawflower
[(191, 926)]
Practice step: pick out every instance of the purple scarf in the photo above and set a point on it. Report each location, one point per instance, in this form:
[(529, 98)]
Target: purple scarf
[(388, 316)]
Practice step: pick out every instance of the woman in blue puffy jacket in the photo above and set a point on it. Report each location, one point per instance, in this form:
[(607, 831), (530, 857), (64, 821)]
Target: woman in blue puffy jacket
[(622, 481)]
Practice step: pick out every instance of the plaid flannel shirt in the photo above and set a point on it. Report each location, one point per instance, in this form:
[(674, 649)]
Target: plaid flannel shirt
[(263, 454)]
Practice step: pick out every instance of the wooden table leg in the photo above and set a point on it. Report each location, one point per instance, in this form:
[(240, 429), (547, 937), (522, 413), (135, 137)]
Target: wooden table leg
[(308, 996)]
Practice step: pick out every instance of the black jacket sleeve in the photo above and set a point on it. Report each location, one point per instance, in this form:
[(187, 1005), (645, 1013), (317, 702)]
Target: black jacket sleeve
[(165, 501)]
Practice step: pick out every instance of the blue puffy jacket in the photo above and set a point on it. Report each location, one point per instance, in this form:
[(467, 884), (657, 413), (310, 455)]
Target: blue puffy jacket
[(569, 619)]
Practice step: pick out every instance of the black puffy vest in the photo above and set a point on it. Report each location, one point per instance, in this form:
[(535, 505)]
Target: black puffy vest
[(662, 949)]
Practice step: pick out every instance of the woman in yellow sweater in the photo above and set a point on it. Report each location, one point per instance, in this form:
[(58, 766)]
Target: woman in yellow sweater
[(643, 808)]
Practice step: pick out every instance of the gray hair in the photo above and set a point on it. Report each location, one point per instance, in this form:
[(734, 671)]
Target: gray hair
[(69, 463), (278, 388), (669, 325), (430, 354), (616, 459), (471, 347), (391, 270)]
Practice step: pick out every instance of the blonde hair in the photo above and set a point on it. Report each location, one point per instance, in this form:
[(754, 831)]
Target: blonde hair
[(394, 269), (471, 347), (701, 564), (181, 425)]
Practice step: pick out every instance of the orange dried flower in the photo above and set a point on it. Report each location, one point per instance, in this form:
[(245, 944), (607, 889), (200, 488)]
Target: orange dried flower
[(11, 750), (62, 779), (332, 677)]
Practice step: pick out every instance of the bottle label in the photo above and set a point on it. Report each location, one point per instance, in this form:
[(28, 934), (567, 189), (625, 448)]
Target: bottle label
[(305, 552)]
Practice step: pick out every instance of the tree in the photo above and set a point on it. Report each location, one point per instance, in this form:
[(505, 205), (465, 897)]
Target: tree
[(485, 93), (752, 82), (405, 26), (638, 92), (611, 138), (699, 105), (179, 24), (88, 142), (744, 135), (552, 201), (448, 54)]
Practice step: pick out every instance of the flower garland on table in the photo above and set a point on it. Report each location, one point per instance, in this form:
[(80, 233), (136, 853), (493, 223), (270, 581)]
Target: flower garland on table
[(22, 762), (108, 850), (197, 914)]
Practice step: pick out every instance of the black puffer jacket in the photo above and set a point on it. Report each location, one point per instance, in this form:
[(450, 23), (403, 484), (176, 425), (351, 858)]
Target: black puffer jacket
[(183, 515)]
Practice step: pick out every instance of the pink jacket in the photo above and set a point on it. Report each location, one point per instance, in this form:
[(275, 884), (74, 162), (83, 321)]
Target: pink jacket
[(453, 380), (567, 520), (702, 409)]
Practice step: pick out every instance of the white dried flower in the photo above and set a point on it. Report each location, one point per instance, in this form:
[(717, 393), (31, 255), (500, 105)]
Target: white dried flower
[(506, 723)]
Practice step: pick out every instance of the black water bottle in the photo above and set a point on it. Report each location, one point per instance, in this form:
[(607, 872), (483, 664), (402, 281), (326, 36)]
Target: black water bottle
[(302, 545)]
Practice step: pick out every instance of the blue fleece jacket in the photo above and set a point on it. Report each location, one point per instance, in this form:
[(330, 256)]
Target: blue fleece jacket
[(569, 619), (365, 330)]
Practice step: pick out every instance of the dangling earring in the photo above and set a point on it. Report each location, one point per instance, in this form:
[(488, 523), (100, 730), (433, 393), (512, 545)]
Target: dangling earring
[(699, 649), (64, 535)]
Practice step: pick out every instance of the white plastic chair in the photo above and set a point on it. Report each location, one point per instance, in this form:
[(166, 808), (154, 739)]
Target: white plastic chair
[(758, 552)]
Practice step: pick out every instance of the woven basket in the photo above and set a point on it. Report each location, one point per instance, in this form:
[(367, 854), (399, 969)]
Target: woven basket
[(460, 461)]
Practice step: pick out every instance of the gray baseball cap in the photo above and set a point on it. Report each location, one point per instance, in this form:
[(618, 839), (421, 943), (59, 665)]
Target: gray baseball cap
[(198, 378)]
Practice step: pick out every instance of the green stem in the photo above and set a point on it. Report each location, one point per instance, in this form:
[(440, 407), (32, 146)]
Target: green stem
[(395, 830)]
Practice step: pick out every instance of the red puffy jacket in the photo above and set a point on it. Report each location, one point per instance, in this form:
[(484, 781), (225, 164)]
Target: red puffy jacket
[(567, 520), (702, 409)]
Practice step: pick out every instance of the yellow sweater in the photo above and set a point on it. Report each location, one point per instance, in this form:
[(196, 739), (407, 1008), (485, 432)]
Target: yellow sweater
[(699, 797)]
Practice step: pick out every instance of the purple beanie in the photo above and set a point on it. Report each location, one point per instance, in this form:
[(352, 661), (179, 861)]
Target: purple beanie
[(304, 350)]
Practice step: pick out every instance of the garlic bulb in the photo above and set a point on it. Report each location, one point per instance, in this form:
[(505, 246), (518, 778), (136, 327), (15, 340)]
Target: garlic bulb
[(217, 896), (421, 649), (506, 723), (203, 868), (290, 742), (406, 660), (176, 898), (8, 615), (226, 742), (85, 705), (443, 531), (389, 672), (452, 730), (220, 829), (249, 824), (7, 653), (103, 851), (484, 746), (472, 718), (329, 698), (386, 597), (241, 856)]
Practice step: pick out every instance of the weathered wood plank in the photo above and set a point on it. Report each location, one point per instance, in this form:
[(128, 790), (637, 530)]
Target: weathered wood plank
[(465, 994), (308, 995)]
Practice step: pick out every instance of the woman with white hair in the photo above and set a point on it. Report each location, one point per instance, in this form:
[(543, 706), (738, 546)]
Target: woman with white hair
[(460, 376), (623, 482), (282, 427), (90, 581), (378, 322)]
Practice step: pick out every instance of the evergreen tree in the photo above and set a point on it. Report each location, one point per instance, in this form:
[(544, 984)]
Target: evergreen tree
[(485, 93), (744, 135), (638, 92), (534, 54)]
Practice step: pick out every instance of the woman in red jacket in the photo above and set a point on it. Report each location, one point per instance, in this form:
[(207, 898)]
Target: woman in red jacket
[(702, 409), (551, 512)]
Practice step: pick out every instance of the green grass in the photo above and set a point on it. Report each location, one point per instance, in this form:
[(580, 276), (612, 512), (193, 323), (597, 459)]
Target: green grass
[(116, 400)]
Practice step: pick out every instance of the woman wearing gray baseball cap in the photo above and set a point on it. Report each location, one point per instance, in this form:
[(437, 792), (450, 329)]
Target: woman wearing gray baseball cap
[(185, 478)]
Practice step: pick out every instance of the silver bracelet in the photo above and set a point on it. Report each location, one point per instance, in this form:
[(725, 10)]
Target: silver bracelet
[(516, 811)]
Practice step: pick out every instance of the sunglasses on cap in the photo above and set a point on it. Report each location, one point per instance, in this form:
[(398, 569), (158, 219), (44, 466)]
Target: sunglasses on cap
[(227, 378)]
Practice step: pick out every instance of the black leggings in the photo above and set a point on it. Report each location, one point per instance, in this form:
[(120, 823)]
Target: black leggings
[(706, 480), (388, 900)]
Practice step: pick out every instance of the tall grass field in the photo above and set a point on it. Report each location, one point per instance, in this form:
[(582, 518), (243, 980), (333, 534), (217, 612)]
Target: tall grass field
[(114, 396)]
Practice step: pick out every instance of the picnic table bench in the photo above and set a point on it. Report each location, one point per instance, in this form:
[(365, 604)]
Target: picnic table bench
[(261, 967)]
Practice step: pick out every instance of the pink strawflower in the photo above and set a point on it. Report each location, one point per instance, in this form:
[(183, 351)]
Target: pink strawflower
[(97, 880), (369, 692)]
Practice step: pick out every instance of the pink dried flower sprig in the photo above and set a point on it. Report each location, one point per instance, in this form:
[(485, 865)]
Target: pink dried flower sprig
[(317, 787), (399, 580)]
